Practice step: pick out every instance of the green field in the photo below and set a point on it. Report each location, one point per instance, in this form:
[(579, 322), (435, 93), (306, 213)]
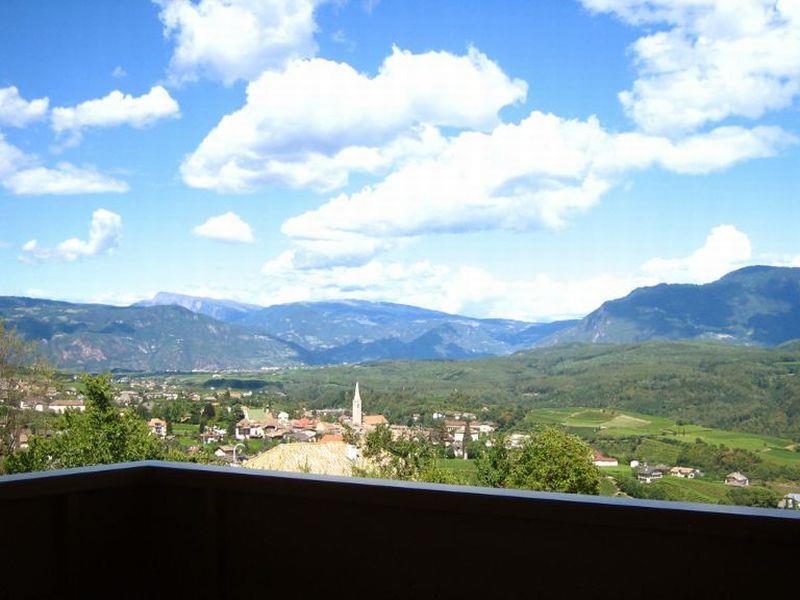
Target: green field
[(692, 490), (611, 423), (463, 468), (186, 434), (607, 487)]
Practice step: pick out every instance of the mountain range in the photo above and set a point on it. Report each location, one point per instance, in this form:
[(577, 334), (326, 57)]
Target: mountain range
[(753, 306), (756, 305)]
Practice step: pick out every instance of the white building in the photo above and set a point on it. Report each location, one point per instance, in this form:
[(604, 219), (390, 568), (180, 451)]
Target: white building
[(604, 461), (62, 406), (737, 479), (357, 414), (684, 472), (248, 430)]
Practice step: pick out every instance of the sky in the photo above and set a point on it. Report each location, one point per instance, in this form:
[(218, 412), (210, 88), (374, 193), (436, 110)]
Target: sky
[(525, 160)]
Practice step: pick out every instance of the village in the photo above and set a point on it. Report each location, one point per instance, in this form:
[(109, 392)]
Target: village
[(324, 441)]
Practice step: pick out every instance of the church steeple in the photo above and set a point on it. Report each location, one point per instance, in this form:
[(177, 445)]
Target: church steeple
[(357, 408)]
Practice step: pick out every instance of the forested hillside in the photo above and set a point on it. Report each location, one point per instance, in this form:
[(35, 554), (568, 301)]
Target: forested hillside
[(730, 387)]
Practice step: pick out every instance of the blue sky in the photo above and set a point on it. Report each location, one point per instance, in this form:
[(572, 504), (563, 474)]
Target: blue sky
[(515, 159)]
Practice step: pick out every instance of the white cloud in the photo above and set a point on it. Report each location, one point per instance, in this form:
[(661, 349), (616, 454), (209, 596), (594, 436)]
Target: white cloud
[(227, 40), (119, 72), (475, 291), (21, 175), (15, 111), (11, 158), (715, 59), (726, 249), (457, 289), (228, 227), (517, 177), (64, 179), (105, 233), (115, 109), (316, 121)]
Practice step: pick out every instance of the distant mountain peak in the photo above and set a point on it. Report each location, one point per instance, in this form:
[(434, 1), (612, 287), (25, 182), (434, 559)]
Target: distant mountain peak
[(753, 305)]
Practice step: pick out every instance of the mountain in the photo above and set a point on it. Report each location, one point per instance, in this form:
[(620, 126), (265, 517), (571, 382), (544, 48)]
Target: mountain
[(358, 330), (150, 338), (754, 305), (222, 310)]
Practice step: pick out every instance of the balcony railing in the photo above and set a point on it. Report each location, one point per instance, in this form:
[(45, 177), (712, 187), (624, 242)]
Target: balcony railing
[(154, 529)]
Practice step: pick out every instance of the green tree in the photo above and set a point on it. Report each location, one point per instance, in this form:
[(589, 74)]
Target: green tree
[(409, 460), (21, 373), (209, 412), (550, 460), (752, 496), (101, 435), (494, 464), (554, 461)]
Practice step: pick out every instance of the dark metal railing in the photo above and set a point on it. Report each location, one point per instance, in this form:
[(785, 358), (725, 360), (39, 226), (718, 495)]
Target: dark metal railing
[(156, 529)]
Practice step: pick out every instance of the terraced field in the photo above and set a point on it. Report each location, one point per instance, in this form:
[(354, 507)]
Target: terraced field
[(609, 422)]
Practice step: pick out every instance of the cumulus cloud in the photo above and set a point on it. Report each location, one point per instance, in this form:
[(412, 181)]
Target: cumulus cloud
[(517, 177), (21, 174), (227, 40), (316, 121), (64, 179), (475, 291), (726, 249), (454, 289), (105, 233), (115, 109), (228, 227), (15, 111), (709, 60), (11, 158)]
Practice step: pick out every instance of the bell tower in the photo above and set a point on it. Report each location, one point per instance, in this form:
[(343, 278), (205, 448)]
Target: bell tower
[(357, 408)]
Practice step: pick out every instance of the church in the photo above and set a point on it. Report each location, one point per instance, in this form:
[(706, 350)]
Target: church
[(360, 421)]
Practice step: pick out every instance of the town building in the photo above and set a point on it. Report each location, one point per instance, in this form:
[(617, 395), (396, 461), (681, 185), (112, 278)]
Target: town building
[(790, 502), (62, 406), (228, 453), (372, 421), (248, 430), (604, 461), (33, 404), (211, 436), (737, 479), (684, 472), (158, 427), (649, 474), (515, 440)]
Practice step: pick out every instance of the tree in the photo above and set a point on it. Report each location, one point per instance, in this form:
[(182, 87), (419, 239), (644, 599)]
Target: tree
[(20, 369), (550, 460), (101, 435), (753, 496), (209, 412), (409, 460), (493, 466), (555, 461)]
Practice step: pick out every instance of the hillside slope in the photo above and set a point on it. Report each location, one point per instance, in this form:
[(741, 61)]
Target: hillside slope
[(755, 305), (158, 338), (731, 387)]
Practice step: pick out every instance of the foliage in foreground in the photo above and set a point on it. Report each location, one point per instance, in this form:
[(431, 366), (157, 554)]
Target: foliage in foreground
[(409, 460), (102, 434), (18, 362), (551, 460)]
